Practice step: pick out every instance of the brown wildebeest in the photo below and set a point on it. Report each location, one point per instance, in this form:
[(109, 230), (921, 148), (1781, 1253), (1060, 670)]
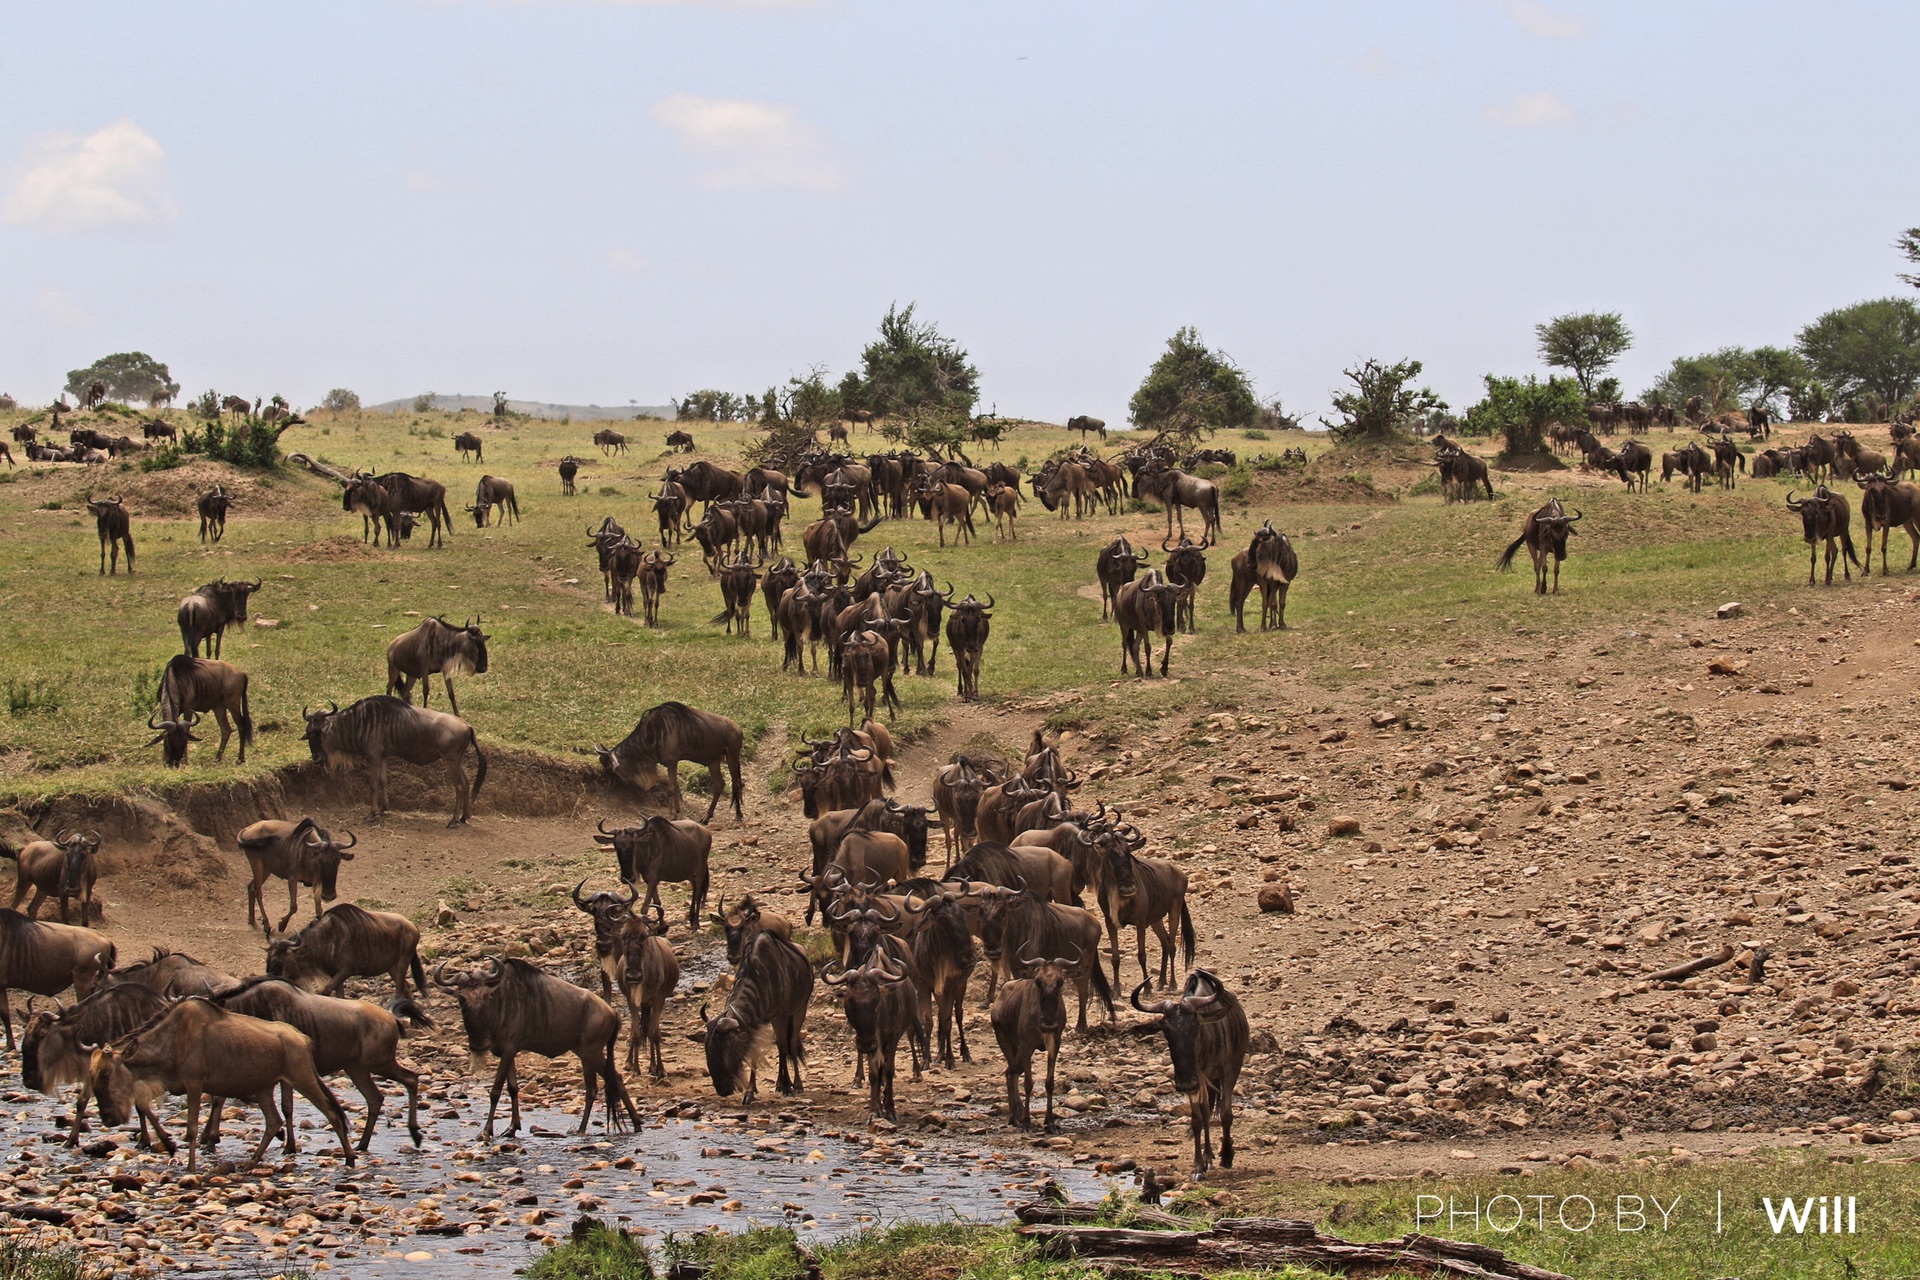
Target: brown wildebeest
[(207, 614), (1461, 473), (493, 499), (1887, 505), (667, 734), (1147, 893), (881, 1006), (1057, 482), (56, 1048), (1270, 563), (1030, 1016), (680, 441), (944, 954), (739, 578), (420, 496), (1186, 564), (300, 853), (652, 577), (513, 1008), (1118, 564), (62, 868), (967, 629), (1083, 424), (1143, 609), (957, 788), (611, 915), (670, 510), (1636, 460), (605, 541), (1016, 922), (1727, 459), (649, 972), (173, 737), (675, 850), (768, 1001), (1003, 500), (468, 443), (608, 441), (1545, 536), (44, 959), (435, 648), (1176, 490), (374, 730), (1207, 1036), (1824, 517), (213, 506), (110, 520), (349, 941), (376, 509), (193, 686), (864, 663), (947, 504), (745, 919), (197, 1048), (569, 468)]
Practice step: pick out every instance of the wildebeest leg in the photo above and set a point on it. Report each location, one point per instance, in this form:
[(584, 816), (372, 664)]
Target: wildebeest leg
[(6, 1018), (293, 905), (40, 895), (411, 1081), (462, 793), (1053, 1055), (1197, 1107), (1226, 1127), (377, 783), (1166, 651), (790, 1054), (589, 1069), (451, 700), (1813, 559), (715, 783), (1017, 1094), (363, 1081), (339, 981)]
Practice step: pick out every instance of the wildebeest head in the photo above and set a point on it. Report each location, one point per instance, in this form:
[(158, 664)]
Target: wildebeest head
[(1049, 985), (1117, 844), (317, 722), (1180, 1023), (324, 854), (472, 990), (173, 736), (1000, 902), (738, 924), (469, 641), (610, 912), (77, 849), (480, 509)]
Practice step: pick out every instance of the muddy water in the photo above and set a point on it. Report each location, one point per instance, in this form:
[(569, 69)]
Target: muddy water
[(459, 1208)]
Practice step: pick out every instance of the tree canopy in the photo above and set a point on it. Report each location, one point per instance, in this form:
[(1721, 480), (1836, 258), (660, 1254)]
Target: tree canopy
[(1868, 349), (1383, 401), (1191, 389), (911, 371), (341, 400), (1734, 378), (1521, 410), (1587, 343), (1909, 246), (128, 375)]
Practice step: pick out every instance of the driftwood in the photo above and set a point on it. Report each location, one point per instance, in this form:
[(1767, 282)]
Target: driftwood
[(1238, 1244), (1691, 967), (320, 468), (1047, 1213)]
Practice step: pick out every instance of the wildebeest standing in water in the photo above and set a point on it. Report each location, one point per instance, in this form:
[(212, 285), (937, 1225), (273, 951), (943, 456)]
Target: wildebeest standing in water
[(513, 1008), (1207, 1034), (1824, 517), (767, 1008), (375, 729), (205, 616), (213, 506), (57, 1047), (1545, 536), (1269, 562), (110, 520), (668, 734), (350, 941), (435, 647)]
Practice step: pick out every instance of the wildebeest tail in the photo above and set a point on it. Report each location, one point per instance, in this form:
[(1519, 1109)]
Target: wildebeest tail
[(1506, 557), (407, 1010), (1186, 930), (445, 519), (480, 768), (419, 976), (1846, 545), (1487, 480), (1100, 985), (720, 617)]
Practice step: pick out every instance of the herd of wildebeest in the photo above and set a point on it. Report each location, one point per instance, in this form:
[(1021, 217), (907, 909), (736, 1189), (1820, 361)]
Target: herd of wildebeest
[(1019, 859)]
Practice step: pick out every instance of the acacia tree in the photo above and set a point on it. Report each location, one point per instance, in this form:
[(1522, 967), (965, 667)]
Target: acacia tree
[(341, 400), (1870, 349), (1522, 411), (1191, 390), (1383, 401), (128, 375), (1586, 342), (912, 371), (1909, 246)]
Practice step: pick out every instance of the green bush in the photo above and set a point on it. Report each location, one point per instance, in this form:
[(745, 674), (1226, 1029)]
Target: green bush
[(594, 1253), (1255, 433), (254, 444)]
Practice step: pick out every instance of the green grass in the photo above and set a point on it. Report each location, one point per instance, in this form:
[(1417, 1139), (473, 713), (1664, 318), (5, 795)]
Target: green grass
[(20, 1261)]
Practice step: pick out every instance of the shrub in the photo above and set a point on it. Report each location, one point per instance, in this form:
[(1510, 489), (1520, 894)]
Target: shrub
[(423, 403), (1255, 433), (24, 697)]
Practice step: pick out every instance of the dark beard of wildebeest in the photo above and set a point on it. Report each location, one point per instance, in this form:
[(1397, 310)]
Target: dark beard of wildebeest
[(349, 941), (44, 959), (967, 632), (881, 1006), (422, 497), (468, 443), (375, 506), (1207, 1037), (738, 581), (514, 1008), (1143, 609), (957, 788), (494, 495), (1270, 563), (1824, 517), (1029, 1017), (667, 734), (944, 952), (1634, 460), (191, 686), (1544, 535), (199, 1049), (1016, 922), (675, 850), (1177, 491), (569, 468), (1887, 505), (1186, 563), (1118, 564), (56, 1048), (1147, 893), (374, 730), (300, 853), (609, 441), (110, 521), (61, 868), (351, 1036), (435, 648), (205, 615), (212, 507), (767, 1008)]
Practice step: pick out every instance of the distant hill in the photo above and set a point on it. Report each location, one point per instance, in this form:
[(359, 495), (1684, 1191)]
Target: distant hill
[(536, 408)]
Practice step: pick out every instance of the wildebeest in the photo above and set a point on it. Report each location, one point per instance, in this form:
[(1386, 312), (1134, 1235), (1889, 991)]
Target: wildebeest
[(1147, 893), (1030, 1016), (513, 1008), (376, 509), (1016, 922), (435, 648), (675, 850), (1003, 501), (213, 506), (205, 616), (649, 972), (1887, 505), (374, 730), (300, 853), (191, 686), (1544, 534), (745, 919), (1176, 490), (1461, 473), (1037, 868), (653, 584), (767, 1008), (422, 497), (1143, 609), (1186, 563), (155, 430), (1118, 564), (493, 499), (739, 578), (608, 441), (110, 521), (681, 441), (468, 443), (44, 959), (865, 661), (569, 468), (1727, 458), (967, 629), (606, 540), (198, 1048), (1634, 460), (945, 956), (173, 736), (171, 974), (1825, 517), (667, 734), (956, 797), (881, 1006), (1270, 563), (1084, 424), (349, 941), (61, 868), (56, 1048), (1207, 1036), (670, 511)]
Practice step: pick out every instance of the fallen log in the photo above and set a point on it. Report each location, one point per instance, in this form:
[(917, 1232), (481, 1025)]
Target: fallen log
[(1048, 1213), (320, 468), (1692, 967)]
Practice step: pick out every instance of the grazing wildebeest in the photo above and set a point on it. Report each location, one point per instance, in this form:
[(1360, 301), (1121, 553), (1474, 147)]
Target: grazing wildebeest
[(1016, 921), (300, 853), (675, 850), (422, 497), (213, 506), (1147, 893), (1118, 564), (1030, 1016), (205, 616), (768, 1002), (881, 1006), (513, 1008), (62, 868), (468, 443), (349, 941), (197, 1048), (1187, 565), (435, 648), (44, 959), (609, 441), (374, 730), (1272, 565), (1176, 490), (376, 509), (110, 521), (569, 468), (1084, 424), (1207, 1036), (680, 441), (493, 500), (667, 734), (1824, 517), (1142, 609), (1545, 536), (1887, 505), (191, 686), (1063, 479), (57, 1048), (967, 629)]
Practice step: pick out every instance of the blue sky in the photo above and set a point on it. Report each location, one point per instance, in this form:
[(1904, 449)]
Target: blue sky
[(605, 201)]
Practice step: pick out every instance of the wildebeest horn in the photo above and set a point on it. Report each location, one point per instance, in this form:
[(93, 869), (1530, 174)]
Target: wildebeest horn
[(632, 893), (827, 975), (578, 901), (1158, 1006), (494, 969), (352, 840), (602, 825), (1577, 515), (440, 974), (989, 603), (333, 708), (892, 918), (887, 974), (151, 722), (1791, 504)]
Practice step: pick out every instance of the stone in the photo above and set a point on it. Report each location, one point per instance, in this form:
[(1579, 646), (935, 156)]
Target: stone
[(1731, 609), (1276, 898), (1343, 825)]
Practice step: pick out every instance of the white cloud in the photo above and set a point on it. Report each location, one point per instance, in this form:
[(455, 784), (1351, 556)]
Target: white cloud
[(111, 178), (1536, 19), (743, 142), (626, 261), (59, 308), (1540, 110)]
